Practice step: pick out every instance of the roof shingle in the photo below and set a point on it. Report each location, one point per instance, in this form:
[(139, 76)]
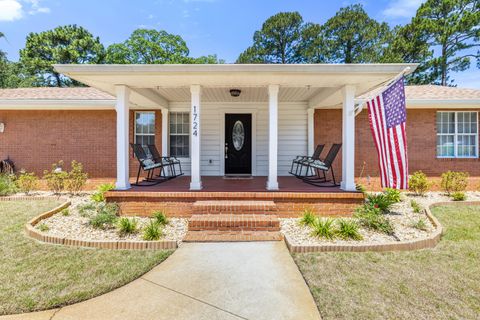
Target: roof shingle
[(51, 93)]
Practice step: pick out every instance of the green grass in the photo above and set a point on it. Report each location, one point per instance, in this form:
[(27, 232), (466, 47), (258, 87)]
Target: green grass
[(439, 283), (36, 276)]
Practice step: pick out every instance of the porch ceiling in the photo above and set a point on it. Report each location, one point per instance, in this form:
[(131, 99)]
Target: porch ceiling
[(158, 85)]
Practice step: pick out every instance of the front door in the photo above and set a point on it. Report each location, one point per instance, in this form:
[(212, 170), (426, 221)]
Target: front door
[(238, 144)]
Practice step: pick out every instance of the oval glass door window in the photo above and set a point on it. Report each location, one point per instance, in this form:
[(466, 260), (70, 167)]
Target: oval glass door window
[(238, 135)]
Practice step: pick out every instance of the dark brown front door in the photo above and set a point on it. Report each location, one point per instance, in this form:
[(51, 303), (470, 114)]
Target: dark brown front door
[(238, 144)]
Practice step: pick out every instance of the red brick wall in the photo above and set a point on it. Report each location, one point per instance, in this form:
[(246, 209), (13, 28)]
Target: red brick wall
[(36, 139), (421, 137)]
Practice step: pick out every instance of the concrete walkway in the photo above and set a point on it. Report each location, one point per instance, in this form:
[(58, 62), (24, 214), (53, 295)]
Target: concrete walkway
[(252, 280)]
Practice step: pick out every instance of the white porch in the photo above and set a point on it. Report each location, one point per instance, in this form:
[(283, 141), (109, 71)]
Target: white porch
[(280, 98)]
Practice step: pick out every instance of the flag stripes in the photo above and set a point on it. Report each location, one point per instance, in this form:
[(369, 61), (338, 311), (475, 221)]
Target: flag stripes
[(387, 118)]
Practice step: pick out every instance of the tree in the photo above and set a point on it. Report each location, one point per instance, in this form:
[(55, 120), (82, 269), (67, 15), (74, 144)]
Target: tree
[(62, 45), (150, 47), (351, 36), (454, 27), (410, 45), (278, 41), (2, 53)]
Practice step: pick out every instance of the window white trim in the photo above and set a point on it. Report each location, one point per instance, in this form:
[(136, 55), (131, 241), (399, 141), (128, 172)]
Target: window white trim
[(170, 134), (135, 125), (455, 136)]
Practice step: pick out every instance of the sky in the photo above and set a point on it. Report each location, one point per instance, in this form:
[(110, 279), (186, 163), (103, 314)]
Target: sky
[(222, 27)]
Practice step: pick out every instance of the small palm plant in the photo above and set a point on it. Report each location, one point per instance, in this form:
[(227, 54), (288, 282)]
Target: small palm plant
[(161, 218), (127, 226), (323, 228), (348, 229), (152, 231), (308, 218)]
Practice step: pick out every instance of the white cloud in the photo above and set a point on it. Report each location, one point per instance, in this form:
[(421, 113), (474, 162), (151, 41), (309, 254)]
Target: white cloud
[(402, 8), (10, 10), (35, 7)]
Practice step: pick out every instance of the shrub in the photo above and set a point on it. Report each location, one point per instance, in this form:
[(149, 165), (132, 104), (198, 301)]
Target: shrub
[(65, 212), (99, 195), (419, 183), (372, 218), (415, 206), (348, 229), (361, 188), (43, 227), (105, 217), (308, 218), (459, 196), (55, 178), (323, 228), (7, 185), (127, 226), (385, 200), (76, 179), (152, 231), (453, 181), (420, 225), (392, 195), (27, 181), (160, 218)]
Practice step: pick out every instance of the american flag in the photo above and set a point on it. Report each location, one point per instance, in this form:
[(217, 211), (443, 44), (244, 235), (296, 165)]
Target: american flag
[(387, 115)]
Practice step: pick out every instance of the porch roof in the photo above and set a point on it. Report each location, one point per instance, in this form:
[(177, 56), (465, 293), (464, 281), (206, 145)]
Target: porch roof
[(158, 85)]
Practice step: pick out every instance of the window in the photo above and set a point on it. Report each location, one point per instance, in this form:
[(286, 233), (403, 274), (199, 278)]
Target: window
[(145, 127), (180, 134), (457, 134)]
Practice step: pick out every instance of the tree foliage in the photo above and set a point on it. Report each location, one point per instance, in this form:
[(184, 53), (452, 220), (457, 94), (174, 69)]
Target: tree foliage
[(351, 36), (62, 45), (454, 27), (278, 41), (150, 47)]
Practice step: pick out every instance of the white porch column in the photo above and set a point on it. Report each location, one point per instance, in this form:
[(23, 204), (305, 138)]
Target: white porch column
[(272, 182), (310, 130), (348, 139), (196, 182), (122, 109), (165, 128)]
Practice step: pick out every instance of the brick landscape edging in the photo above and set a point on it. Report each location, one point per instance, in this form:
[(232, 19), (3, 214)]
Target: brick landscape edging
[(429, 242), (107, 244)]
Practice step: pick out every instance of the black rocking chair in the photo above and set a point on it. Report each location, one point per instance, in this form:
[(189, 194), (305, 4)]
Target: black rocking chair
[(168, 162), (148, 165), (323, 167), (302, 161)]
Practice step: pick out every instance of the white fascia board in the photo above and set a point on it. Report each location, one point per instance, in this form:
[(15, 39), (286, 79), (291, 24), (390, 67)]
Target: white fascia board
[(57, 104)]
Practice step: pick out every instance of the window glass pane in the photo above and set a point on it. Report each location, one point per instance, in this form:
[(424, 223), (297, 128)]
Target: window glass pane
[(180, 134), (145, 128)]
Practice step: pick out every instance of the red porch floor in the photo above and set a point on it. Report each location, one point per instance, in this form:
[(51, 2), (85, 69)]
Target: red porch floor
[(221, 184)]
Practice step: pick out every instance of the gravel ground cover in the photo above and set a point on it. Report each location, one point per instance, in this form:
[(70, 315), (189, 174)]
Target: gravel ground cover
[(76, 226), (402, 217)]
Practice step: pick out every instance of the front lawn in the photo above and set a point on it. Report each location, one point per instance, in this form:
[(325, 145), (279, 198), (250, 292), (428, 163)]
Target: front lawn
[(36, 276), (439, 283)]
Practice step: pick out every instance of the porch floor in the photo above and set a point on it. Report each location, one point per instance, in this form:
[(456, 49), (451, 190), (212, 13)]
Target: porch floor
[(221, 184)]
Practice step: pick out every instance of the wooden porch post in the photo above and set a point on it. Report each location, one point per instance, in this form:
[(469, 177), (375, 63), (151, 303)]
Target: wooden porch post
[(196, 182), (272, 182), (122, 110), (310, 130), (348, 137)]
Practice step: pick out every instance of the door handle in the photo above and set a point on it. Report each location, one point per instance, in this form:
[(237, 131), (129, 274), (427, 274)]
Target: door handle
[(226, 150)]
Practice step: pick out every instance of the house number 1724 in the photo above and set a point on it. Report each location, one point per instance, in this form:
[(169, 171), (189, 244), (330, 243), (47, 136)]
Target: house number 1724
[(195, 121)]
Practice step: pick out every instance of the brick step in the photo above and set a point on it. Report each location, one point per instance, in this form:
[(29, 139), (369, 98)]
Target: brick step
[(232, 236), (234, 207), (234, 222)]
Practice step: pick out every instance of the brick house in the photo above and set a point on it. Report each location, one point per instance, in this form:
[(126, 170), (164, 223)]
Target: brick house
[(286, 110)]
